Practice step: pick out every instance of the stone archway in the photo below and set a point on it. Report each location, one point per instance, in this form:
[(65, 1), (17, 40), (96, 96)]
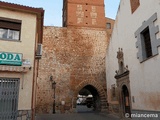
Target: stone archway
[(123, 85), (100, 90), (124, 93)]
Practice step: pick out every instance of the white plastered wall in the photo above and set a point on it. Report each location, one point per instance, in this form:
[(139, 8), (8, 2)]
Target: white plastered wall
[(144, 77)]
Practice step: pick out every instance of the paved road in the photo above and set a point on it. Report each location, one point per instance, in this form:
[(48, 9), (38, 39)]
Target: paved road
[(83, 113), (78, 116), (83, 109)]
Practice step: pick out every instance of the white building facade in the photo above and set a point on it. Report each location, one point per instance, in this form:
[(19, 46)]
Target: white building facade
[(133, 59)]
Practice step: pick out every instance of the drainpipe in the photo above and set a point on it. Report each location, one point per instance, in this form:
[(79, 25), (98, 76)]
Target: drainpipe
[(33, 87)]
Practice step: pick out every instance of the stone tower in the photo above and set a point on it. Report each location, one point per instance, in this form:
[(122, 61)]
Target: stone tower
[(74, 56), (84, 13)]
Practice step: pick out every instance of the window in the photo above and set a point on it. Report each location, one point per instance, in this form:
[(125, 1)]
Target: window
[(147, 43), (10, 29), (108, 25)]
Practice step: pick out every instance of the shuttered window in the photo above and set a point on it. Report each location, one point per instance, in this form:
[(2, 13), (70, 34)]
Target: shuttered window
[(10, 29), (147, 41), (9, 92)]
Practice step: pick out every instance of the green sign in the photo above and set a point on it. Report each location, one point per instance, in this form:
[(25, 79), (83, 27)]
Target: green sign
[(10, 59)]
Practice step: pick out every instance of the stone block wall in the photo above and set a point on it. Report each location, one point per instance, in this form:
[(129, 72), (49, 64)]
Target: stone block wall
[(71, 56)]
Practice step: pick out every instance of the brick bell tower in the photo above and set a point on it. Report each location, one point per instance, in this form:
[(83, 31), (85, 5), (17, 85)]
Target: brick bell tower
[(84, 13)]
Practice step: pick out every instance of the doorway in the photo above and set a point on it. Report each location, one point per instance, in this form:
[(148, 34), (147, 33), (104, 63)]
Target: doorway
[(9, 90), (126, 100)]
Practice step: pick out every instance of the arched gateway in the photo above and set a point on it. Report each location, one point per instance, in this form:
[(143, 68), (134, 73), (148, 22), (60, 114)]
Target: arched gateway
[(96, 90), (75, 56)]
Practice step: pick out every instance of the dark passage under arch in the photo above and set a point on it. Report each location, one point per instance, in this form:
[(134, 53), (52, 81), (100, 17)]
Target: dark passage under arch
[(88, 100)]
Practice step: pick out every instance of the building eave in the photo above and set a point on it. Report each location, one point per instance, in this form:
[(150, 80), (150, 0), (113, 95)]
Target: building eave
[(39, 12)]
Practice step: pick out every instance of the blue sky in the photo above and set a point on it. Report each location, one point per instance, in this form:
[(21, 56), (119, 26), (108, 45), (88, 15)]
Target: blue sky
[(53, 9)]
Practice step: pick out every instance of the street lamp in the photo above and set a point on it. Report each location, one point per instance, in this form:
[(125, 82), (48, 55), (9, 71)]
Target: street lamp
[(53, 87)]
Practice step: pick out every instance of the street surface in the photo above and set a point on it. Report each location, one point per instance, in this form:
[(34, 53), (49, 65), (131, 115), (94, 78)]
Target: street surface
[(77, 116), (83, 113)]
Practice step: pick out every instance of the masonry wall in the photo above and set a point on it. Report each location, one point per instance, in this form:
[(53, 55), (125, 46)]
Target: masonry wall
[(71, 56)]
